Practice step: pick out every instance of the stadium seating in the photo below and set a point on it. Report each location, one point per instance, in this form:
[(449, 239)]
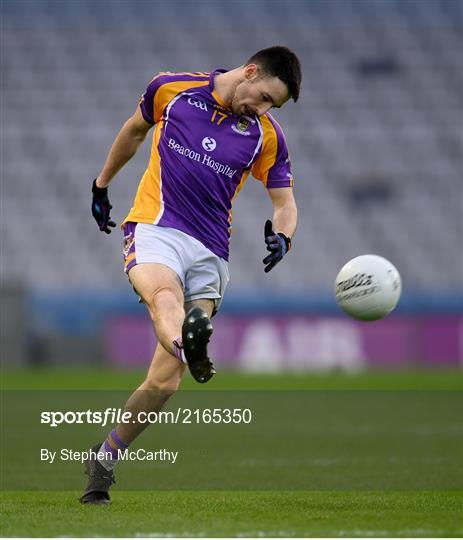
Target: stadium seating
[(375, 140)]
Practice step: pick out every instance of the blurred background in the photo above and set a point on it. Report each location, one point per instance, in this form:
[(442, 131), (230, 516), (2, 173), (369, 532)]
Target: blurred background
[(376, 148)]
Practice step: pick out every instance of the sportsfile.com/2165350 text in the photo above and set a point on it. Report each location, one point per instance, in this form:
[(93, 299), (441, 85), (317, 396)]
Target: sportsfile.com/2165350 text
[(179, 416)]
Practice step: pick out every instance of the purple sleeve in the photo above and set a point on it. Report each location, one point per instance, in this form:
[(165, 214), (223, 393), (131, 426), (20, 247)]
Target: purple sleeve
[(147, 100), (279, 174)]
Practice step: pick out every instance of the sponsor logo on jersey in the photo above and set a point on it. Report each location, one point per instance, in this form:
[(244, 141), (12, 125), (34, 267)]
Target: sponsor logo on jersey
[(209, 144), (204, 159)]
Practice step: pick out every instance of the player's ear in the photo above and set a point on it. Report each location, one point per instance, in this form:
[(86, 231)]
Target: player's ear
[(251, 72)]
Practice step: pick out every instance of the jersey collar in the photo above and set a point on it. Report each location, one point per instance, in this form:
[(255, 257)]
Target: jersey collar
[(211, 86)]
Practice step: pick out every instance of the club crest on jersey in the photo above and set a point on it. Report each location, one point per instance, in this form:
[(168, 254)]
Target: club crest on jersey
[(241, 126)]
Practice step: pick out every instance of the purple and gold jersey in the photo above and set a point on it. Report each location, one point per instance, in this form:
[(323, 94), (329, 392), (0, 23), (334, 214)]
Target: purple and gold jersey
[(200, 158)]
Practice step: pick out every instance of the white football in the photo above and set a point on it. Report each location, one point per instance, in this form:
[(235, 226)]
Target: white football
[(368, 287)]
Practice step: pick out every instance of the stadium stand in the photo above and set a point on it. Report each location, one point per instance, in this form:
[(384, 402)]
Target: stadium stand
[(375, 140)]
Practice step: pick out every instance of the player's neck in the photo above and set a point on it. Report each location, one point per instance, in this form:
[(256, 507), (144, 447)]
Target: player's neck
[(226, 83)]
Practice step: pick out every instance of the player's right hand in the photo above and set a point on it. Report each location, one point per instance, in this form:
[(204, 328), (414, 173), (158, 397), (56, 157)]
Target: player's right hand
[(101, 208), (277, 243)]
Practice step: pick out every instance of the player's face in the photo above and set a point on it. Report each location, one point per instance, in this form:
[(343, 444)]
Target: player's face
[(257, 93)]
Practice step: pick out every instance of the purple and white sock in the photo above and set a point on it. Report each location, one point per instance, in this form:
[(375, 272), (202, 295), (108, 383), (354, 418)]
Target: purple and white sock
[(111, 447), (178, 349)]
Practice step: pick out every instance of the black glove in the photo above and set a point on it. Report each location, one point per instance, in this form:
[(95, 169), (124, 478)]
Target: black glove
[(101, 208), (278, 245)]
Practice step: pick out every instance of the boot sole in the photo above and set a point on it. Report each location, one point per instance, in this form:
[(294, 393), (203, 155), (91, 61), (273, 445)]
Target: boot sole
[(196, 332)]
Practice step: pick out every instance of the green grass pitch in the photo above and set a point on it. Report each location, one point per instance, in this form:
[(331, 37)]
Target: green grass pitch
[(262, 513)]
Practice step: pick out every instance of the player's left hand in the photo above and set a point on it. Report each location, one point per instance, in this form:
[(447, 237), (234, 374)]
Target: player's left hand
[(277, 243), (101, 208)]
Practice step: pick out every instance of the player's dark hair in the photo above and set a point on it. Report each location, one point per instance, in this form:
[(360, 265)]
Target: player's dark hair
[(280, 62)]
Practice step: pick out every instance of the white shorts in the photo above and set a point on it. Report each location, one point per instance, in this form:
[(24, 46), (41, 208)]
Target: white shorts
[(202, 273)]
